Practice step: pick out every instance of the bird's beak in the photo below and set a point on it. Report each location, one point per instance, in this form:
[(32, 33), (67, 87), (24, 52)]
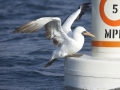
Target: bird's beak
[(88, 34)]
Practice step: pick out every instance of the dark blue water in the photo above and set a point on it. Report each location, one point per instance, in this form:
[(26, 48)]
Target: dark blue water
[(23, 56)]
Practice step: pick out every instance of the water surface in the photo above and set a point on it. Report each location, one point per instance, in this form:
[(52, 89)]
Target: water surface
[(23, 56)]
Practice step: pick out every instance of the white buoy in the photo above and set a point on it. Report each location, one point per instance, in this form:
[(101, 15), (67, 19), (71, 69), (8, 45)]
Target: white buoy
[(106, 28), (101, 71)]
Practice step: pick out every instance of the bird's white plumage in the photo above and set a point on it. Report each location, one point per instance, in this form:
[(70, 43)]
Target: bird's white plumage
[(67, 42), (70, 45), (69, 21)]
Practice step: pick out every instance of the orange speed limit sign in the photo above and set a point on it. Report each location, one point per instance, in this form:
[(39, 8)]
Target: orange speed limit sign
[(115, 10), (106, 28), (106, 20)]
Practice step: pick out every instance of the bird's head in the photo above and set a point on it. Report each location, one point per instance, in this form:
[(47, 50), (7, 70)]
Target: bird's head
[(83, 31)]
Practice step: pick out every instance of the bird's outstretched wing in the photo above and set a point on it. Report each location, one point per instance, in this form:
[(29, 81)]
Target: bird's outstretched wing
[(52, 27), (76, 15), (83, 9)]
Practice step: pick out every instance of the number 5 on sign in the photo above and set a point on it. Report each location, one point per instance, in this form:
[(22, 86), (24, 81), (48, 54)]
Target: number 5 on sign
[(114, 10)]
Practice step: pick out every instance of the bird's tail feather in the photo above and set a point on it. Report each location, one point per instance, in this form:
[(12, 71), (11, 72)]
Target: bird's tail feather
[(49, 63)]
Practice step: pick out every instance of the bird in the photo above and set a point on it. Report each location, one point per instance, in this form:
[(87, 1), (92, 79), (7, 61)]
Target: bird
[(66, 25), (67, 43)]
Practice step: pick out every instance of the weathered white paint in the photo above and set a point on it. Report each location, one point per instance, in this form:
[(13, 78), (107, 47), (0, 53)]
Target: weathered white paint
[(91, 73)]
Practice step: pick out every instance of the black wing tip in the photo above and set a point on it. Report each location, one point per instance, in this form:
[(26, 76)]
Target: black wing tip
[(84, 7), (21, 28), (85, 4), (88, 3), (15, 31)]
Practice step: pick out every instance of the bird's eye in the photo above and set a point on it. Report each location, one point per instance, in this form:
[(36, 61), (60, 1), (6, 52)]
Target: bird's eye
[(83, 32)]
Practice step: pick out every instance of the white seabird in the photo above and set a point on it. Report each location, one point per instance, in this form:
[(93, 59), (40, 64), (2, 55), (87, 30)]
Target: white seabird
[(68, 43)]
